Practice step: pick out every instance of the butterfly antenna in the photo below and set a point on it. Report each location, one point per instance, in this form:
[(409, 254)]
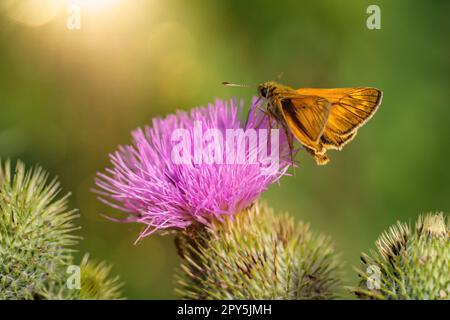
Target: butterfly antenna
[(279, 75), (230, 84)]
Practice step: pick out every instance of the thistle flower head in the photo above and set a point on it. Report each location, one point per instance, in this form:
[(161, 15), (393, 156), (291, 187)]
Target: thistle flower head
[(256, 255), (96, 281), (409, 264), (36, 239), (196, 166), (35, 233)]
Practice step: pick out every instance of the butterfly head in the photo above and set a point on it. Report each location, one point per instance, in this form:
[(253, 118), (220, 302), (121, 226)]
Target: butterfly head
[(265, 90)]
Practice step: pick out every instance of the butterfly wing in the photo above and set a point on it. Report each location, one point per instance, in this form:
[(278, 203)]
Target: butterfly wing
[(350, 109), (306, 117)]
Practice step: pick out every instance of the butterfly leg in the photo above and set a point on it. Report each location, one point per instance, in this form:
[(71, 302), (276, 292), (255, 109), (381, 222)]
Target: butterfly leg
[(255, 114), (266, 114), (291, 147), (290, 142), (262, 118)]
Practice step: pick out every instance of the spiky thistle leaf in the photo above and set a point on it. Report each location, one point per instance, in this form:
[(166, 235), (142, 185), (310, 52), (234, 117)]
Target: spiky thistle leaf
[(256, 255), (409, 264)]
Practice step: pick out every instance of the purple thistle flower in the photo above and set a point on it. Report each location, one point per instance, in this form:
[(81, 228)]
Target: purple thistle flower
[(148, 182)]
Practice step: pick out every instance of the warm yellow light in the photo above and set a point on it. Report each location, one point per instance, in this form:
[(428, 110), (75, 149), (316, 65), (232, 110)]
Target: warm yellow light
[(93, 5), (33, 12), (39, 12)]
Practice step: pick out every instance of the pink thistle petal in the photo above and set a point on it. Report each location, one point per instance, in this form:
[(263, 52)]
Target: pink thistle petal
[(146, 183)]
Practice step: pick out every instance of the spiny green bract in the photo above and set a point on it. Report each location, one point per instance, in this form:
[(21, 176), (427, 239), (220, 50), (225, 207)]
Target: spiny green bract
[(36, 236), (35, 233), (256, 255), (409, 264), (95, 281)]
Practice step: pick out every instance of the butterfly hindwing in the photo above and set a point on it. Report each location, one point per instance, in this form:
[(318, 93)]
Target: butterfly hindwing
[(306, 117), (336, 141)]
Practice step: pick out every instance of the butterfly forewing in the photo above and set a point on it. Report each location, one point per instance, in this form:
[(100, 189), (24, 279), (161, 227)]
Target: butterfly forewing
[(350, 109)]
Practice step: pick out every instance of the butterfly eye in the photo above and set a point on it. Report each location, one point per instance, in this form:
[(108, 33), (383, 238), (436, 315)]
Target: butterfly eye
[(263, 92)]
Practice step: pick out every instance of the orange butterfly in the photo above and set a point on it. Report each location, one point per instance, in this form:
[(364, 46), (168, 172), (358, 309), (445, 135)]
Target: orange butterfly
[(320, 119)]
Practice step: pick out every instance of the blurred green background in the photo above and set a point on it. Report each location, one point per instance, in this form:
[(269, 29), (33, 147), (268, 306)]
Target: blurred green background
[(68, 98)]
